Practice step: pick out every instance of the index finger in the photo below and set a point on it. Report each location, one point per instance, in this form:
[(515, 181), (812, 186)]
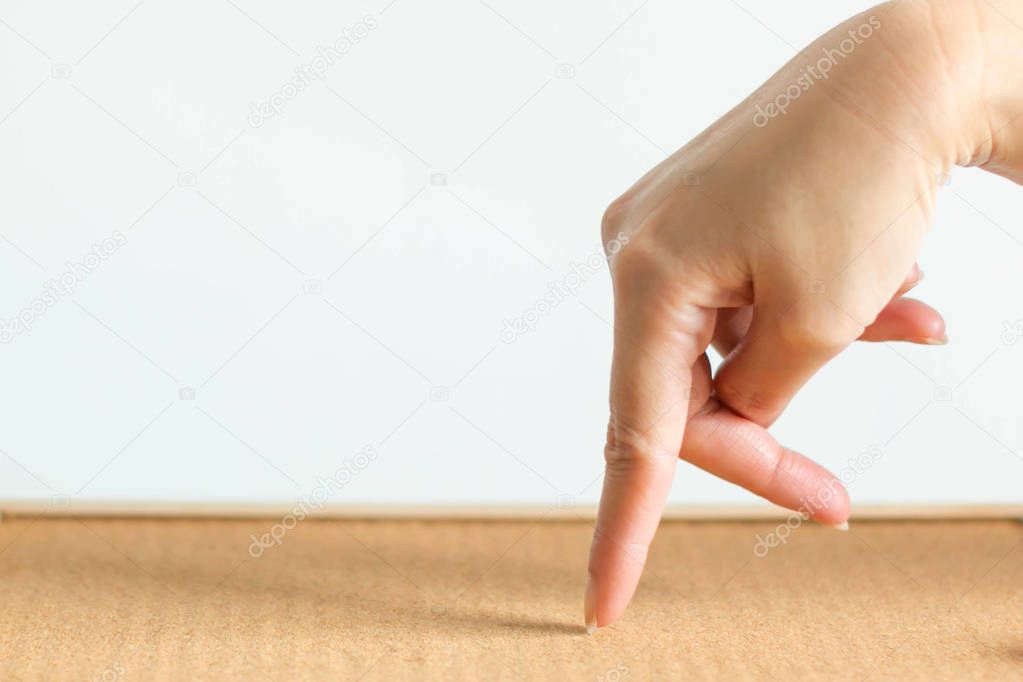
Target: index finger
[(651, 376)]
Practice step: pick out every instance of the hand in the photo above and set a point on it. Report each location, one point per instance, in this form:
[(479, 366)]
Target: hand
[(780, 235)]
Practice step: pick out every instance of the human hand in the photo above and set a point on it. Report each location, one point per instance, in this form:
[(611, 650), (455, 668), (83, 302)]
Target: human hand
[(780, 237)]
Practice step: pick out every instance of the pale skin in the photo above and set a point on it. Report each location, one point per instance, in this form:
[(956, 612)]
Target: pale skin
[(780, 244)]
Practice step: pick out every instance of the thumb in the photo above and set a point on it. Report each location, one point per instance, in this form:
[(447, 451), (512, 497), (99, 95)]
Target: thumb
[(651, 376)]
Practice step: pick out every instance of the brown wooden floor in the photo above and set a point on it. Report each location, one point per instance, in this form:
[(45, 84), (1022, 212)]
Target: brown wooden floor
[(183, 599)]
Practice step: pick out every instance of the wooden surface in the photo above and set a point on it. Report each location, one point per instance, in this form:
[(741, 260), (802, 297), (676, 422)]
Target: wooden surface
[(135, 599)]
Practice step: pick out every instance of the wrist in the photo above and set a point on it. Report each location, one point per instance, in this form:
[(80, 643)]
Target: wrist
[(977, 52), (936, 67)]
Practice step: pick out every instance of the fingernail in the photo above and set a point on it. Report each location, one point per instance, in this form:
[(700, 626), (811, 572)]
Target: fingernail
[(937, 342), (590, 607), (844, 526)]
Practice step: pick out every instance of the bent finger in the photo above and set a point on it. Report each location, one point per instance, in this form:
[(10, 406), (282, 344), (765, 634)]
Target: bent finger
[(733, 448), (907, 319)]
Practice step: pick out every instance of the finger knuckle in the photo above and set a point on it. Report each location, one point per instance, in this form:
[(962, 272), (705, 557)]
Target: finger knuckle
[(759, 406), (627, 450), (622, 237), (613, 220), (818, 333), (639, 268)]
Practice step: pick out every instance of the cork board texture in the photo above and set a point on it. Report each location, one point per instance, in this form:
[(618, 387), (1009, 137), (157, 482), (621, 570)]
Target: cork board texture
[(116, 599)]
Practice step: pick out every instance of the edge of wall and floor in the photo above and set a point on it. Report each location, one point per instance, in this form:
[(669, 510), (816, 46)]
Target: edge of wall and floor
[(562, 511)]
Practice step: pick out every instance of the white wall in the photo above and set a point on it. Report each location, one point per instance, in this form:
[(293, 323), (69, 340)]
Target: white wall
[(111, 110)]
